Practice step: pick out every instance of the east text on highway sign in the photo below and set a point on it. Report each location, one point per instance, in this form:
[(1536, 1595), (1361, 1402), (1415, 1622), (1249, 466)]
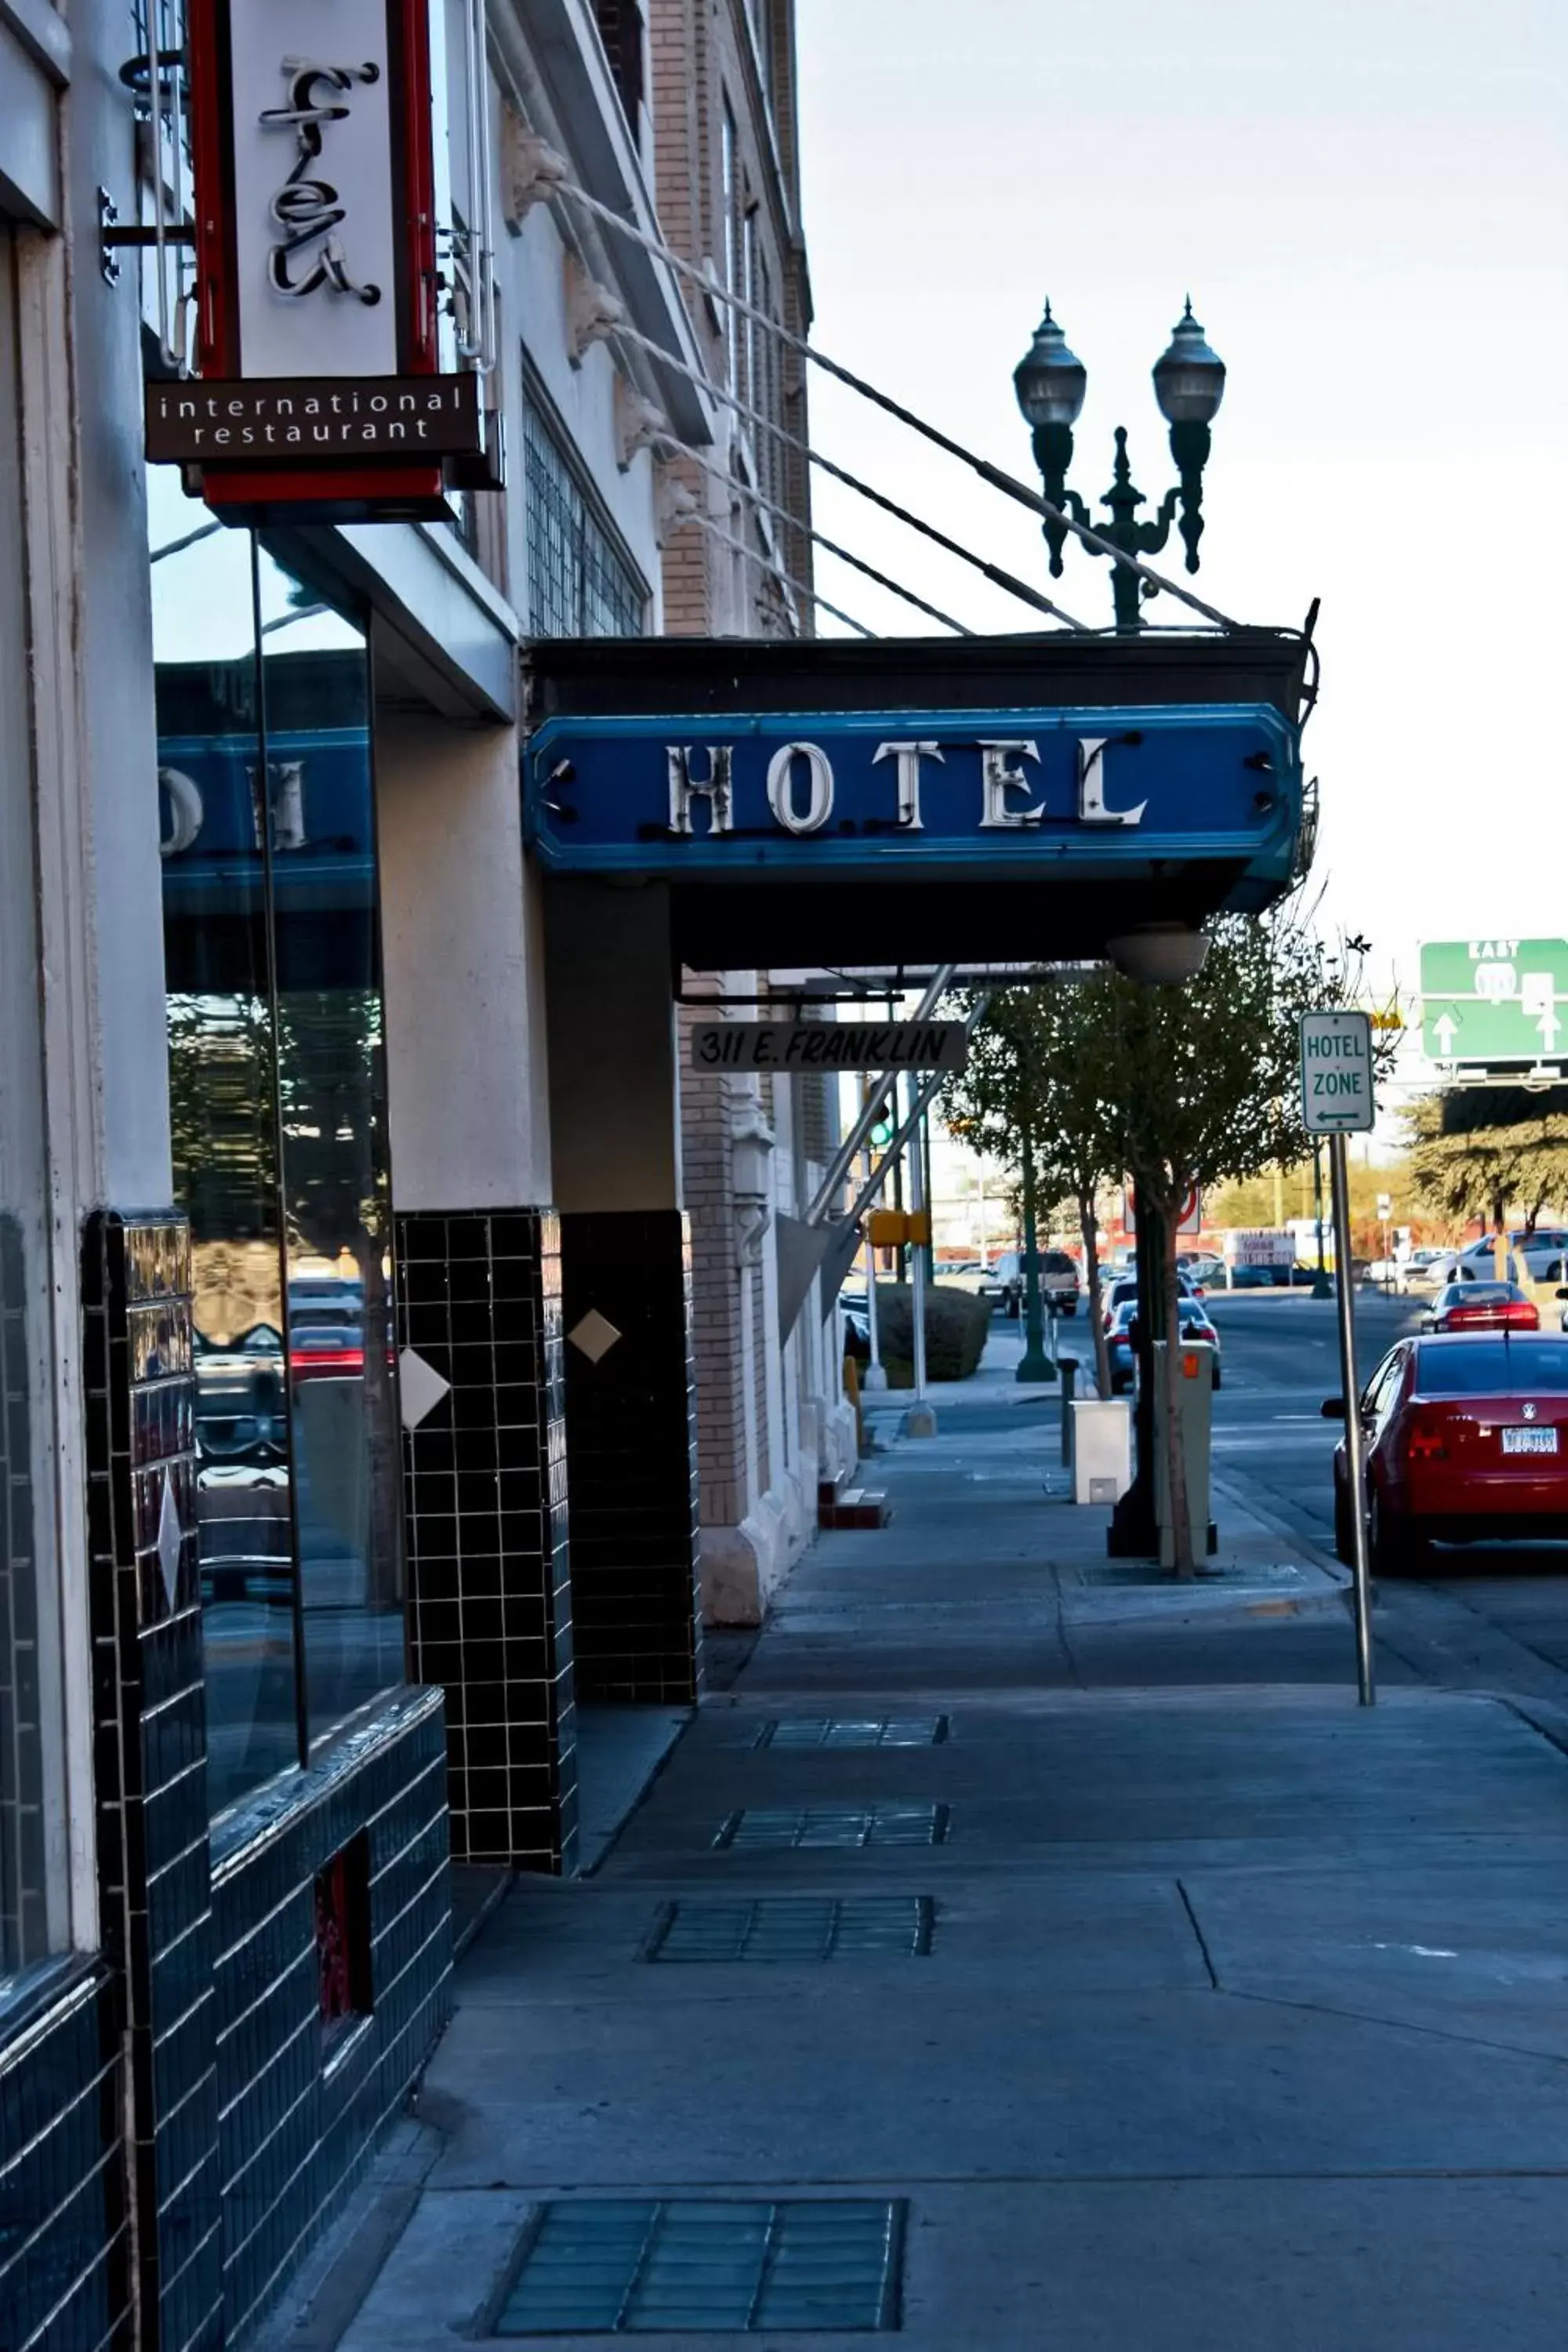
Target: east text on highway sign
[(1494, 1000), (1336, 1074)]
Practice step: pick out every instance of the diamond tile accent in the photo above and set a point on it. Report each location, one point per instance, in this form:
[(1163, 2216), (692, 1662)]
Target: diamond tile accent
[(420, 1388), (822, 1827), (602, 2266), (853, 1731), (594, 1337), (793, 1931), (170, 1536)]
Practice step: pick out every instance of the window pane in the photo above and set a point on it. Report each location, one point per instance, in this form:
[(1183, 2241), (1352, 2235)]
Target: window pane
[(1495, 1367), (32, 1843), (579, 585), (331, 1086), (223, 1113)]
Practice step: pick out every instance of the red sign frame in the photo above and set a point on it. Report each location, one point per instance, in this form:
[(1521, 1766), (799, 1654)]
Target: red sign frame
[(376, 488)]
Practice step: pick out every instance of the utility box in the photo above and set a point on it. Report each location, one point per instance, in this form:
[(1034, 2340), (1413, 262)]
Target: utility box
[(1194, 1407), (1102, 1449)]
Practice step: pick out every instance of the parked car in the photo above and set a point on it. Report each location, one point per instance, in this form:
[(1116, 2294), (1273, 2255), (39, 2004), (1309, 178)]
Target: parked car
[(1058, 1280), (1125, 1289), (1203, 1269), (969, 1274), (1481, 1306), (1415, 1272), (1468, 1440), (1195, 1325), (1474, 1263), (1546, 1241)]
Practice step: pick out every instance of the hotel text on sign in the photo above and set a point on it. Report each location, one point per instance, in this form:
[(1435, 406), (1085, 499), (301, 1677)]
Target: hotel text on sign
[(1336, 1074)]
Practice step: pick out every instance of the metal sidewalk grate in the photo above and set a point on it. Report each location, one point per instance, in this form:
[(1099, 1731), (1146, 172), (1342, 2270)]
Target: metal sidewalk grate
[(1145, 1573), (793, 1930), (596, 2266), (853, 1731), (817, 1827)]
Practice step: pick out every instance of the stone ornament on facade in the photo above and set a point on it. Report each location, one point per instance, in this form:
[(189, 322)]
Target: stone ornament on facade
[(593, 312), (532, 171), (750, 1156), (640, 423)]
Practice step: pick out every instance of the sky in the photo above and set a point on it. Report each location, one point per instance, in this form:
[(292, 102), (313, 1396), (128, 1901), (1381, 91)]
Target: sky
[(1366, 201)]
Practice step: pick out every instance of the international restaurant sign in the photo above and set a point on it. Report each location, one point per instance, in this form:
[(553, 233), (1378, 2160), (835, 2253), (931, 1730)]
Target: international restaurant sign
[(288, 419), (311, 133), (1051, 793)]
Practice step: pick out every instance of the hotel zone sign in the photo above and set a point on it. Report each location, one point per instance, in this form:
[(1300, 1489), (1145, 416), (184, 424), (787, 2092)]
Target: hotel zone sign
[(1336, 1074), (315, 261), (1045, 790)]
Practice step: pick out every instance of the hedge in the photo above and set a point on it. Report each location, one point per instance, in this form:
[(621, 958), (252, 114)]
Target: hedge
[(957, 1326)]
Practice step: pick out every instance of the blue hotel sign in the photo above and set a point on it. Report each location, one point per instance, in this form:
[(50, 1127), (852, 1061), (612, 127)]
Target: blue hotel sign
[(1034, 792)]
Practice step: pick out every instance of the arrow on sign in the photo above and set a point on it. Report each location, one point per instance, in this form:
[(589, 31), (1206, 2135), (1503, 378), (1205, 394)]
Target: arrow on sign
[(1548, 1025), (1445, 1029)]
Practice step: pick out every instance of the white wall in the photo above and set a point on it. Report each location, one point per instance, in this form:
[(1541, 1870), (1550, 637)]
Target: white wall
[(466, 1085)]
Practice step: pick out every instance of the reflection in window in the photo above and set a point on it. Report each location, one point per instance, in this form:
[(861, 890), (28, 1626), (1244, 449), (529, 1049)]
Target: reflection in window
[(331, 1102), (579, 584), (31, 1810), (223, 1130), (278, 1107)]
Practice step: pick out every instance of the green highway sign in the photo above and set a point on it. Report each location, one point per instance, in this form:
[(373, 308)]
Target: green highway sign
[(1494, 1000)]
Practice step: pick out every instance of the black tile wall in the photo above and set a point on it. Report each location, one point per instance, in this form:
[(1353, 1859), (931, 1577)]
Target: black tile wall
[(248, 2121), (632, 1455), (23, 1935), (65, 2255), (150, 1752), (485, 1519), (301, 2109)]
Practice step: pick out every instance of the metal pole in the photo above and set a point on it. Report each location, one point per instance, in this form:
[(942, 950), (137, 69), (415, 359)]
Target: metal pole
[(844, 1159), (876, 1377), (1355, 1435), (892, 1158), (1320, 1279), (1033, 1364), (917, 1202)]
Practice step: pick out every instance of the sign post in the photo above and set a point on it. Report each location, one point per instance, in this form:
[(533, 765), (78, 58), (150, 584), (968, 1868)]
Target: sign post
[(1337, 1101)]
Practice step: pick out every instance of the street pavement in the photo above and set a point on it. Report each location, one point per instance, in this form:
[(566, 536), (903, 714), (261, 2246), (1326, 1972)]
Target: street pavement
[(1242, 2022)]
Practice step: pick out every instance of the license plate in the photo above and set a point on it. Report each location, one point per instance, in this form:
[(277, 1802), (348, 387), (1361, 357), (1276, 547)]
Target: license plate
[(1530, 1441)]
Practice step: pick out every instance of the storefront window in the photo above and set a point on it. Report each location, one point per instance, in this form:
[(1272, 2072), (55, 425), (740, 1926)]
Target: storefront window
[(278, 1085), (33, 1912)]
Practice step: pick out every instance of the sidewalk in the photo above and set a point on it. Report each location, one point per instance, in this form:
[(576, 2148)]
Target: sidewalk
[(1243, 2022)]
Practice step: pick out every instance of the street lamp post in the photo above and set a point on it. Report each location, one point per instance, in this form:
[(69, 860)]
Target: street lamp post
[(1033, 1364), (1189, 385)]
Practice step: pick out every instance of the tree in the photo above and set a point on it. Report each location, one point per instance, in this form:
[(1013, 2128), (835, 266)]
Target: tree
[(1031, 1097), (1478, 1150), (1206, 1079), (1179, 1085)]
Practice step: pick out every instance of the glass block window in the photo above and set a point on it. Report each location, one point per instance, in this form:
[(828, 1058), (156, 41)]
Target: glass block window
[(579, 583)]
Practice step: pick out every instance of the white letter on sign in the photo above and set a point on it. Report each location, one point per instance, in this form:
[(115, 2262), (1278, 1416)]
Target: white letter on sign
[(1091, 808), (908, 757), (781, 796), (998, 777), (684, 788)]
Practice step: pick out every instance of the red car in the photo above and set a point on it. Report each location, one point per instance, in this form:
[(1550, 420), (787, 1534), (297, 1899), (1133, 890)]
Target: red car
[(1482, 1307), (1468, 1442)]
